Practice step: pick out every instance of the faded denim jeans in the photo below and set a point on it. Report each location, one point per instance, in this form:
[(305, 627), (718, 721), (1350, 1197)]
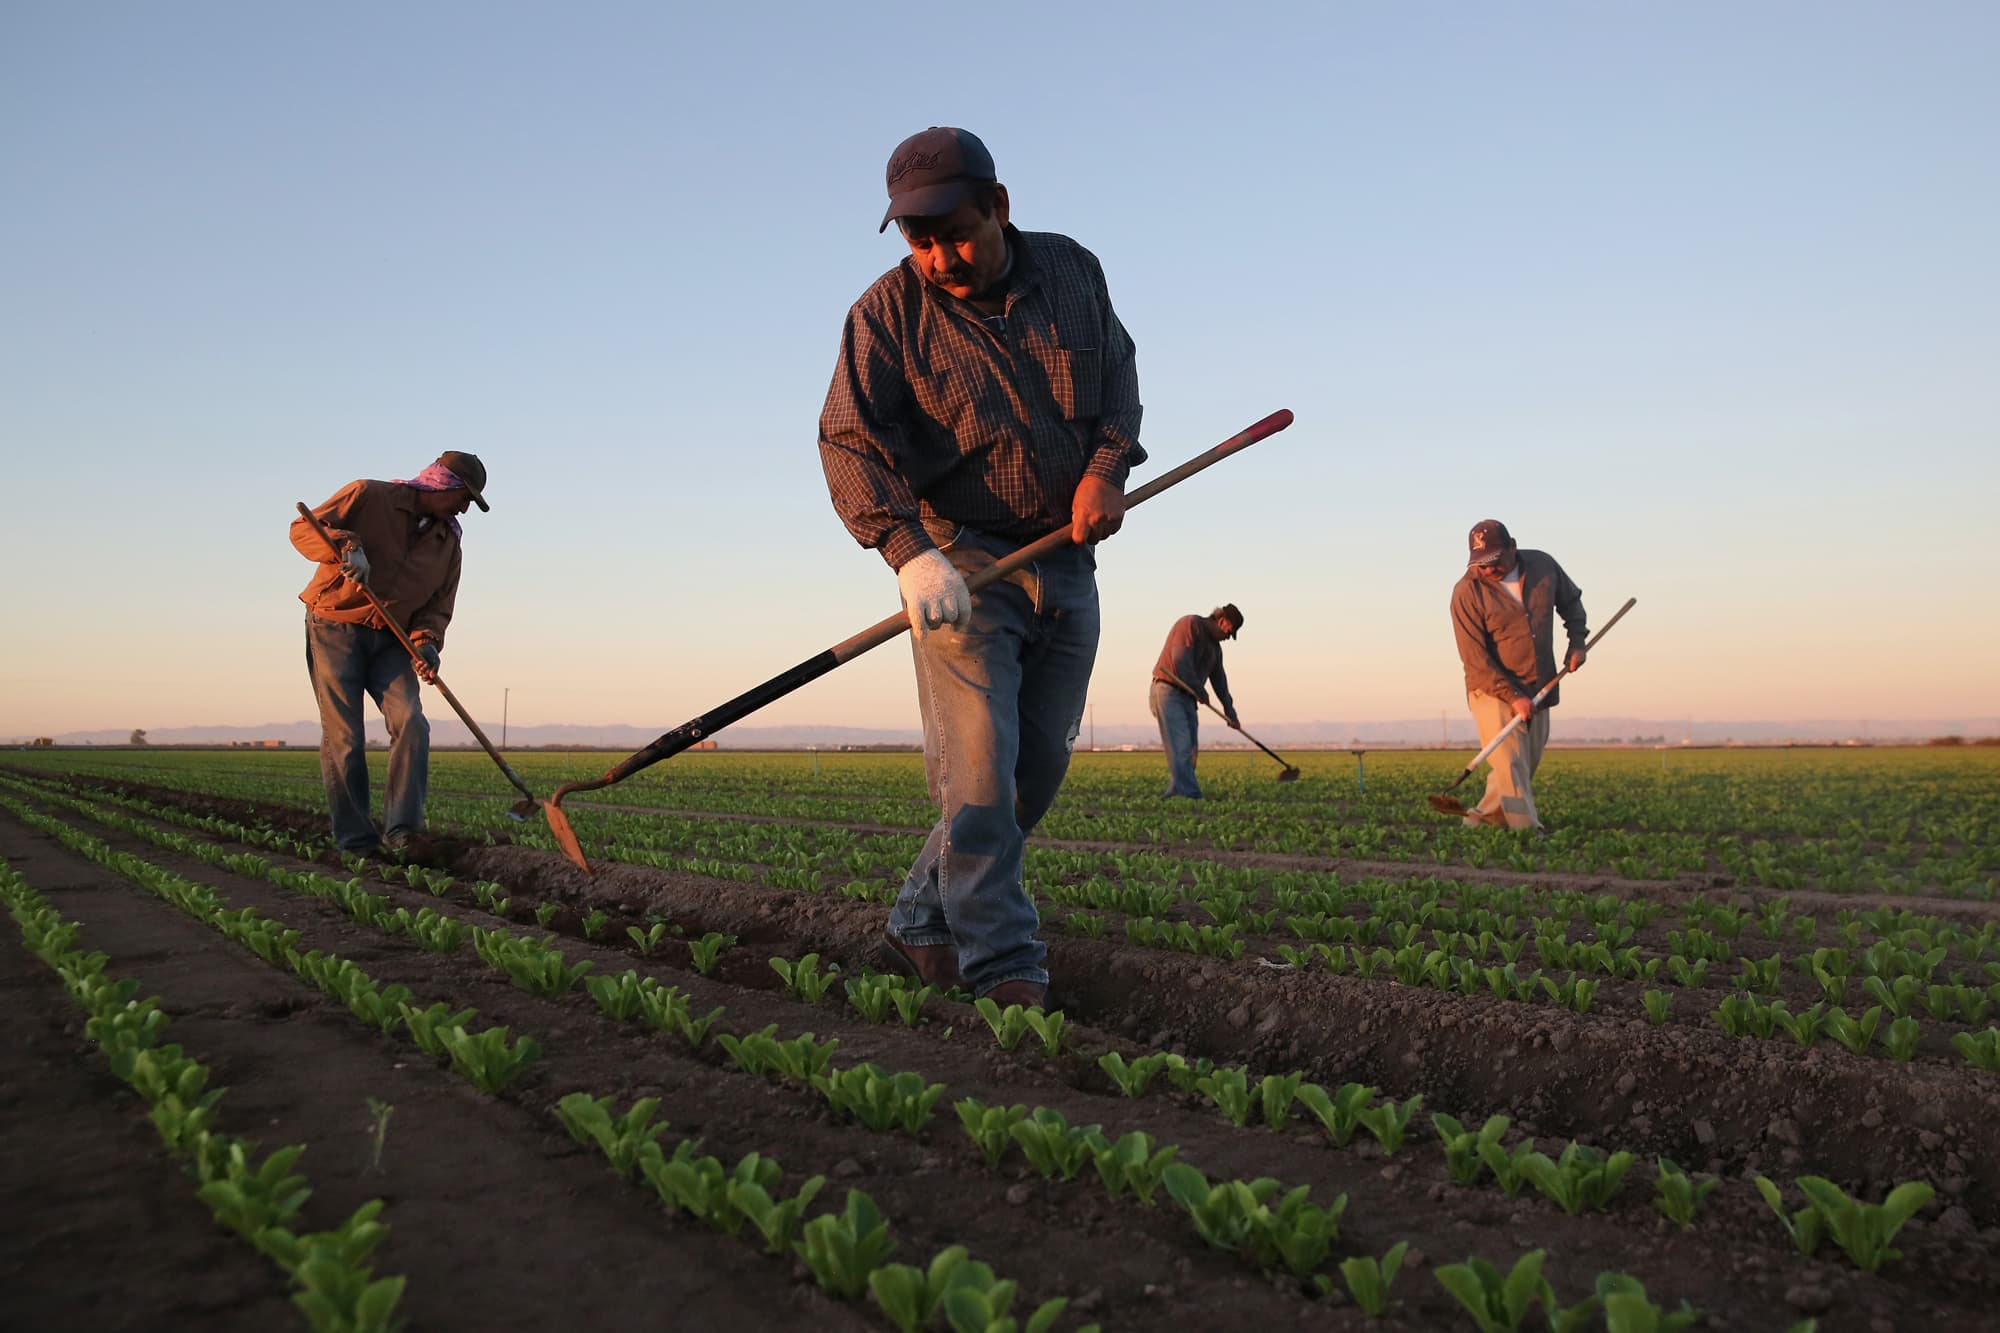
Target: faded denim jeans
[(1002, 701), (347, 662), (1180, 737)]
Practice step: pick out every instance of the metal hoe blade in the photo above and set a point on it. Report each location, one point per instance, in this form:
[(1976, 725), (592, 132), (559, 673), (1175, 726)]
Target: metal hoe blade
[(565, 835)]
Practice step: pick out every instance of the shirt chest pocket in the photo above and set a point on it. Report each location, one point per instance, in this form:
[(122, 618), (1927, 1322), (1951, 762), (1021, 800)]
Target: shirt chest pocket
[(1077, 381)]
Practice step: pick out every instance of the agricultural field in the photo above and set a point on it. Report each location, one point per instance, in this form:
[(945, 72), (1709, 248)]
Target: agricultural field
[(1721, 1051)]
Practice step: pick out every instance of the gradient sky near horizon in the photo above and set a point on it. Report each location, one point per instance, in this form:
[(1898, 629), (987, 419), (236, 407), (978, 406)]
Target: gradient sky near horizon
[(1698, 297)]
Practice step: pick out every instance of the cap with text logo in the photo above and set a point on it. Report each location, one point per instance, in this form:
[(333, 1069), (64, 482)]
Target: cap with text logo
[(929, 173), (1487, 543)]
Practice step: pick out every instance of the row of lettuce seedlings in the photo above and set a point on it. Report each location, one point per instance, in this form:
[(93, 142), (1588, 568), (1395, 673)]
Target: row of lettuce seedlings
[(843, 1250), (1581, 1177), (258, 1197), (1270, 1226), (1899, 978)]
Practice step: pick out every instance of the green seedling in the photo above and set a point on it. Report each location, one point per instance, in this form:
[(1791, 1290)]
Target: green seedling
[(248, 1197), (378, 1132), (1340, 1113), (1132, 1163), (869, 995), (546, 913), (1659, 1004), (1009, 1025), (622, 997), (1389, 1122), (1863, 1230), (623, 1139), (804, 979), (337, 1297), (1240, 1215), (428, 1026), (912, 1297), (1980, 1049), (1900, 1038), (1509, 1168), (487, 1061), (910, 1003), (1461, 1145), (594, 922), (1368, 1278), (1679, 1194), (1049, 1030), (879, 1100), (1184, 1074), (752, 1050), (1229, 1089), (779, 1221), (648, 939), (1275, 1094), (1803, 1028), (1053, 1146), (1581, 1178), (1499, 1304), (991, 1128), (708, 949), (1805, 1227), (1133, 1078), (843, 1249), (1627, 1310), (1854, 1035)]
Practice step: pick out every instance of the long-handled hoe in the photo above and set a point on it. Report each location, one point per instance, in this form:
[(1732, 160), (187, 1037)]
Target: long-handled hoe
[(686, 734), (521, 809), (1447, 804), (1288, 773)]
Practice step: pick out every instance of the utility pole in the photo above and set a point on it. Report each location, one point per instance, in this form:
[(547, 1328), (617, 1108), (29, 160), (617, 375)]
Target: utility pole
[(505, 694)]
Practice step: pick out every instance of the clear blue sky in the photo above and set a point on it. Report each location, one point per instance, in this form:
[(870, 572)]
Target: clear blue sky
[(1698, 297)]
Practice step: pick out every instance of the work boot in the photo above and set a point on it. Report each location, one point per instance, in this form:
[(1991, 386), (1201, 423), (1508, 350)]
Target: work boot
[(1027, 994), (932, 964)]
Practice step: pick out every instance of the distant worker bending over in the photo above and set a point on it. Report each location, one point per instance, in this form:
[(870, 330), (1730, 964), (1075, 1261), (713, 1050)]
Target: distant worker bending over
[(985, 396), (1190, 661), (1503, 611), (401, 539)]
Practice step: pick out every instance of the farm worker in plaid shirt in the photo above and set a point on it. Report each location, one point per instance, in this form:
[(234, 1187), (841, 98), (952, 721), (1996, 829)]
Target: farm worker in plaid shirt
[(1503, 611), (1190, 660), (985, 396), (401, 539)]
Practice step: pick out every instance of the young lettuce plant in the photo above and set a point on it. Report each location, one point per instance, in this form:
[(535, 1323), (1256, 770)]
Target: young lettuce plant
[(991, 1128), (1229, 1089), (1132, 1163), (911, 1297), (487, 1061), (1009, 1025), (843, 1248), (1053, 1146), (1368, 1278), (1389, 1121), (1864, 1230), (779, 1221), (1340, 1113), (1132, 1079), (1499, 1304), (1679, 1194), (1627, 1310), (1980, 1049), (621, 997), (1804, 1227), (1854, 1035), (804, 979), (623, 1139), (1659, 1005), (1461, 1145), (1581, 1178), (428, 1026), (1049, 1030), (648, 939), (708, 949), (878, 1100), (1276, 1093)]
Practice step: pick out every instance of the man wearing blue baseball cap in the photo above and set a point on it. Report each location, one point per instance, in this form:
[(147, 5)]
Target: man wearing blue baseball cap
[(985, 396)]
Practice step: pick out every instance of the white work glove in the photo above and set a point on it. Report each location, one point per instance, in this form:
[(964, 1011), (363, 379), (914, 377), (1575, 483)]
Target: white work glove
[(934, 593), (354, 564)]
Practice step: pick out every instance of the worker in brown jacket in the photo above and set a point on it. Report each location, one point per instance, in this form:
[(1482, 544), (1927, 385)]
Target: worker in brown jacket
[(401, 539), (1190, 661), (1503, 611)]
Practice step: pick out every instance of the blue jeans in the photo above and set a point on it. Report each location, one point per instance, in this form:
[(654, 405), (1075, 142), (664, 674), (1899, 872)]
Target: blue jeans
[(1002, 700), (1180, 737), (346, 662)]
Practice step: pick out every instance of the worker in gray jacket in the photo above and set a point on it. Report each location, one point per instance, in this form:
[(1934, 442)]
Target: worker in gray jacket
[(1503, 612)]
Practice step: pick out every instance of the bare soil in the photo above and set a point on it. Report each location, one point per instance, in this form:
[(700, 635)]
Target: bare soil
[(500, 1221)]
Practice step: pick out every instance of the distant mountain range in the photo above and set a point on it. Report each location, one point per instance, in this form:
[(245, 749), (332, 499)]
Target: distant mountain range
[(1454, 731)]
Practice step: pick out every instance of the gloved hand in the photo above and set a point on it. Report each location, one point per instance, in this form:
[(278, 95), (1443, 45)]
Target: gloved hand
[(354, 563), (934, 593), (426, 661)]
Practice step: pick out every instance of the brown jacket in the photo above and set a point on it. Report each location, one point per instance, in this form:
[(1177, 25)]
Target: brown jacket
[(1507, 647), (415, 574)]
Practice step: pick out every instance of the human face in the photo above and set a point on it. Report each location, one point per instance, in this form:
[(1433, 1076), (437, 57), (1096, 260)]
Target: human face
[(440, 503), (1225, 627), (1495, 572), (963, 253)]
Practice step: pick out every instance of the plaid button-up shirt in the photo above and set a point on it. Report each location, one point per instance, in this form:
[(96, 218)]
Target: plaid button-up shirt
[(936, 413)]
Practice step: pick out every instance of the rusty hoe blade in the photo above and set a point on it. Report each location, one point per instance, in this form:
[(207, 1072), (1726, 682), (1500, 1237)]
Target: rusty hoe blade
[(1447, 805), (565, 834), (521, 809), (1289, 774)]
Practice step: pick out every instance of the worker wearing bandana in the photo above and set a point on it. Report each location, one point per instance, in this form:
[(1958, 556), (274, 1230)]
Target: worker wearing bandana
[(400, 539)]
